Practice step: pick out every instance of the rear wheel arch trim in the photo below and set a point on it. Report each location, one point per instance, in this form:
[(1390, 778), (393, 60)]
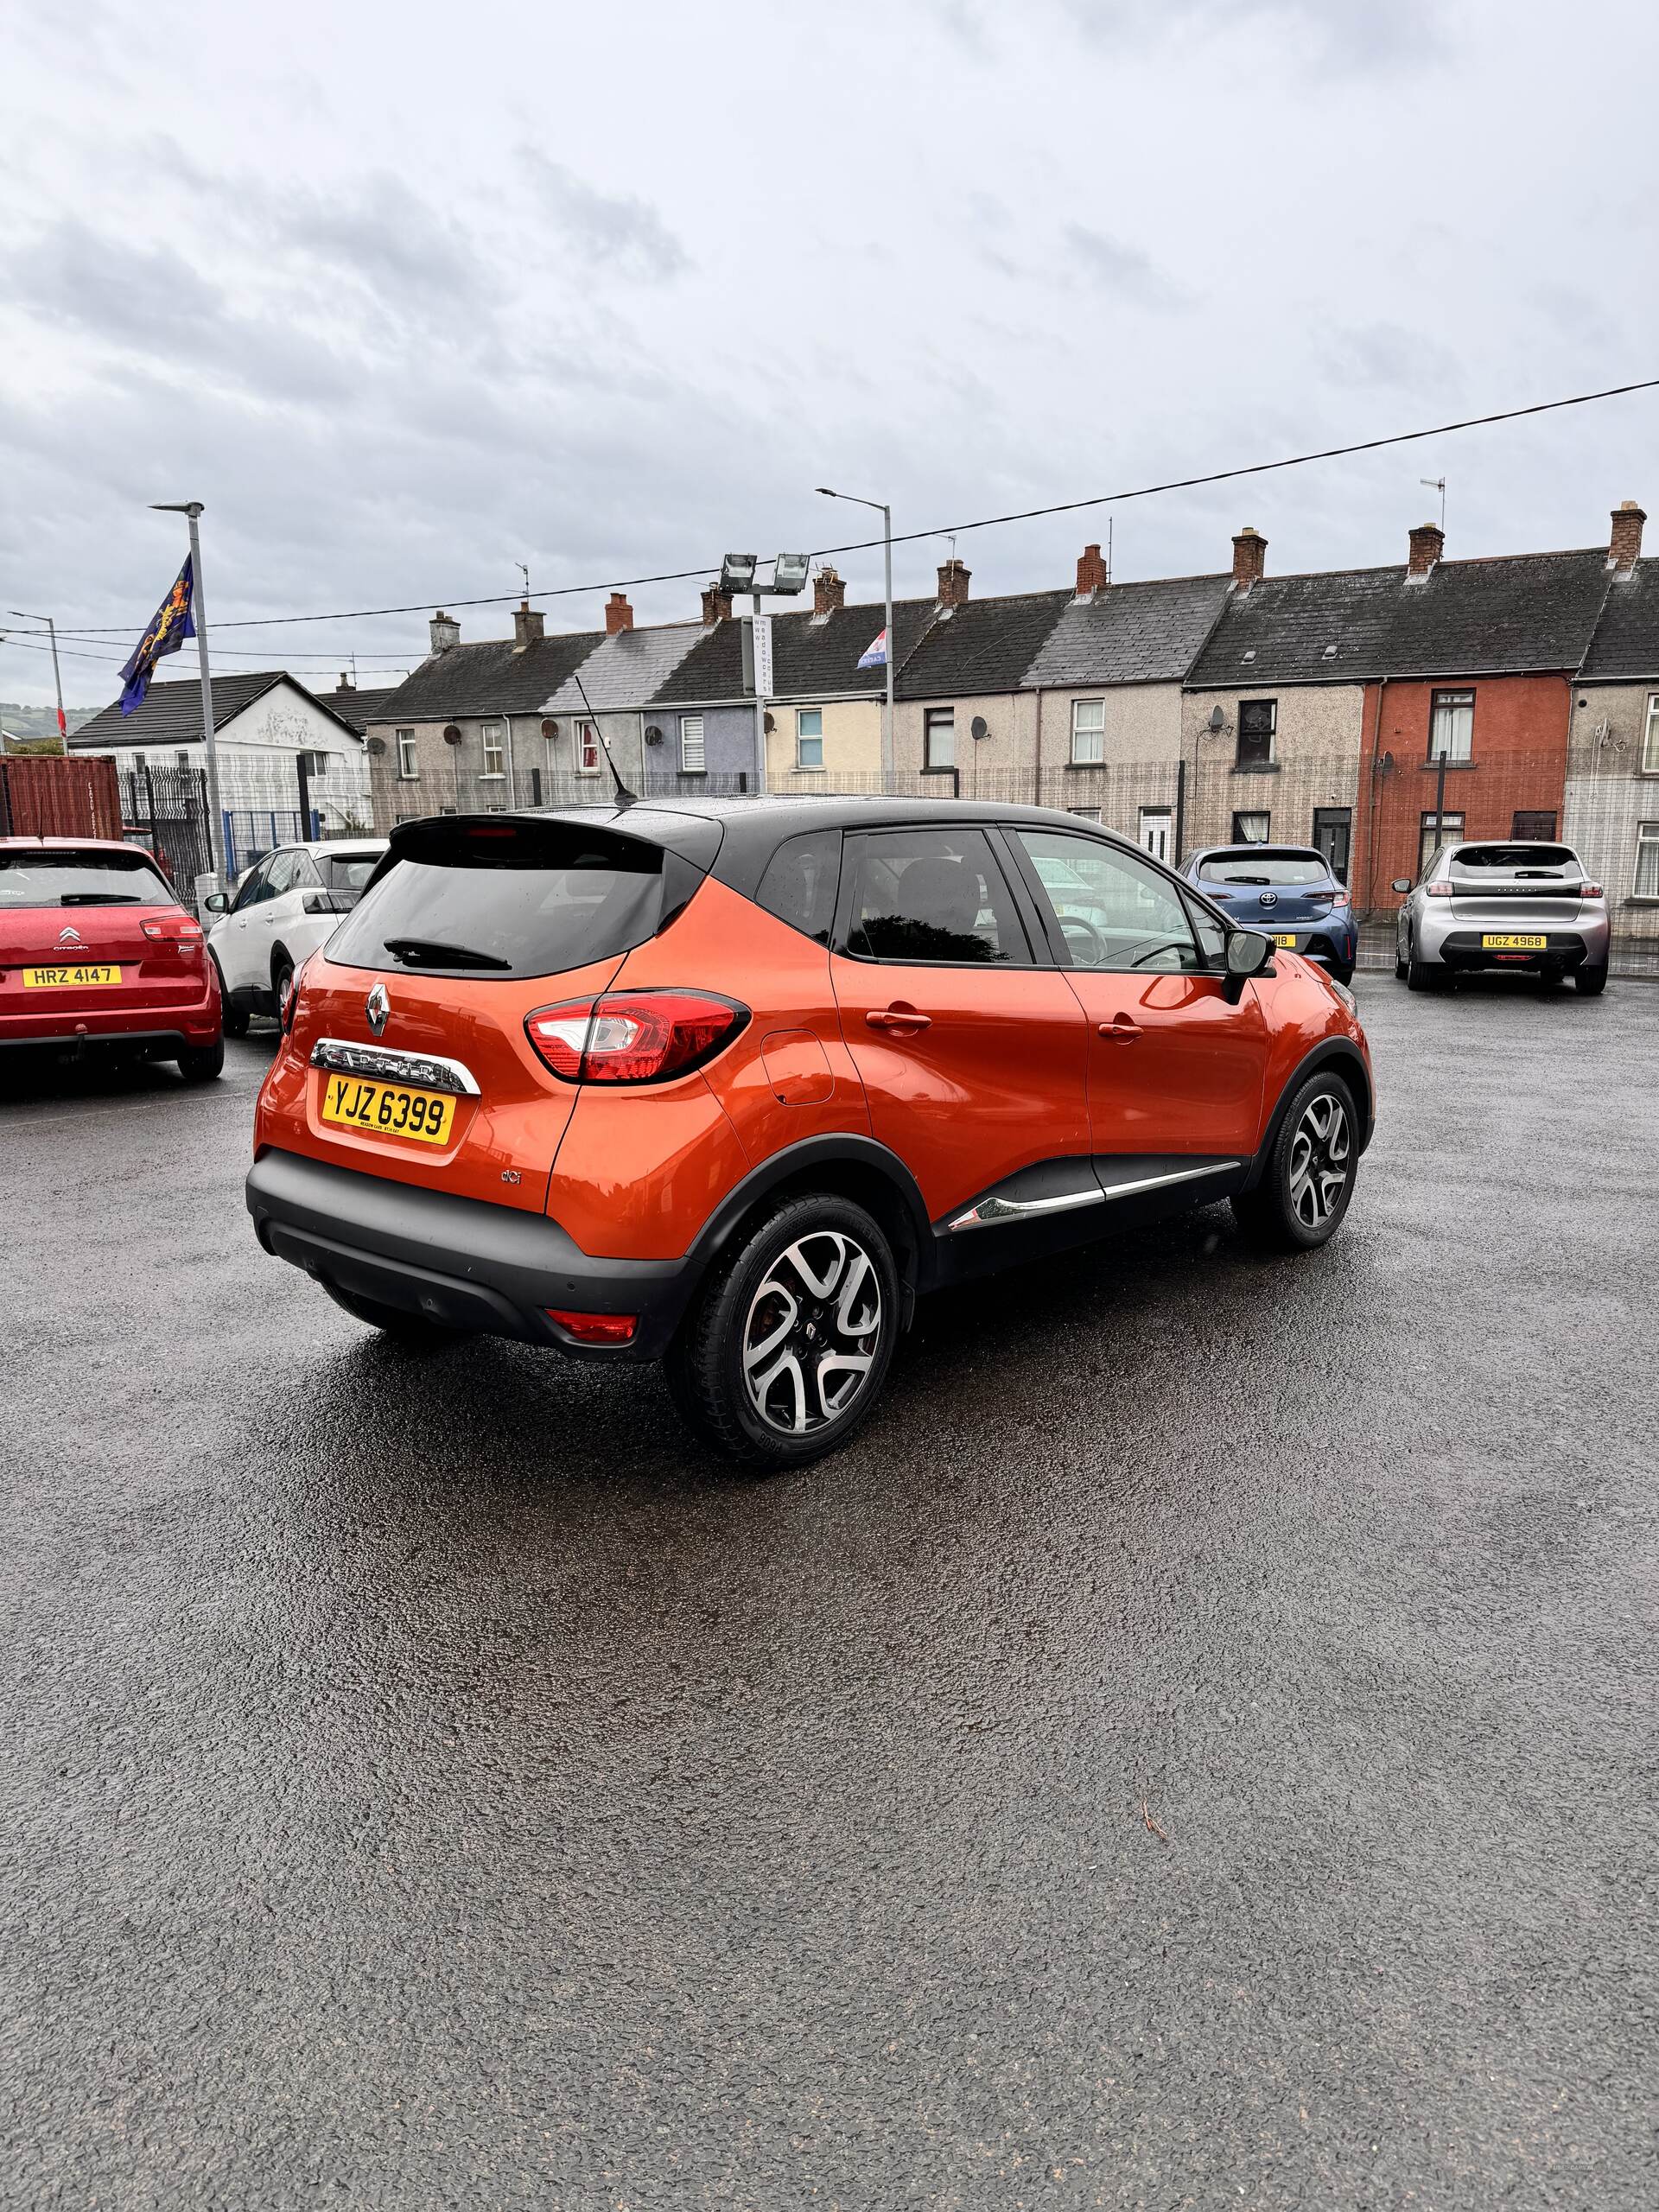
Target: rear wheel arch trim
[(799, 1166), (1337, 1056)]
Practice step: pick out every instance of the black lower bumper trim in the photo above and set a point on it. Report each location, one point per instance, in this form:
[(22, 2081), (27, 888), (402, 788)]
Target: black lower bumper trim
[(1463, 949), (492, 1269), (150, 1043)]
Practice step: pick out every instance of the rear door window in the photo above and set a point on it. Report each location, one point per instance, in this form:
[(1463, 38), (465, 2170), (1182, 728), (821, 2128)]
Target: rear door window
[(932, 894), (66, 878), (348, 871), (527, 898)]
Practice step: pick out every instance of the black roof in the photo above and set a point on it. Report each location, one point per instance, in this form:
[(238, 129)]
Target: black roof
[(170, 714), (1519, 612), (1146, 632), (1627, 637), (815, 654), (356, 706), (986, 645), (488, 678)]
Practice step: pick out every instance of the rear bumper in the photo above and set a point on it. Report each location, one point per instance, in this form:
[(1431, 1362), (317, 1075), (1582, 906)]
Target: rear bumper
[(1457, 943), (492, 1269), (151, 1029)]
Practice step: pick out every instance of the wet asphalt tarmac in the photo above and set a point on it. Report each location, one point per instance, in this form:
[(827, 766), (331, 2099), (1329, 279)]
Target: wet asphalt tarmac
[(1196, 1748)]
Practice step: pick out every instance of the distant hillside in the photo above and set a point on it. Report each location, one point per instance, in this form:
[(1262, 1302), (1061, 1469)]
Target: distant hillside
[(39, 721)]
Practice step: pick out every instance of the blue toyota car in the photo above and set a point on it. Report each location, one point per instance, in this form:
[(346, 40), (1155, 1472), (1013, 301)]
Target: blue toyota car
[(1289, 894)]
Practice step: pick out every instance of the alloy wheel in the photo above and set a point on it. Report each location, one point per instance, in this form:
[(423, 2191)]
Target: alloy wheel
[(811, 1336), (1321, 1161)]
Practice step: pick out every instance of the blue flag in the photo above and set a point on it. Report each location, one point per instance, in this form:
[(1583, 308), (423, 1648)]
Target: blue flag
[(171, 624), (875, 653)]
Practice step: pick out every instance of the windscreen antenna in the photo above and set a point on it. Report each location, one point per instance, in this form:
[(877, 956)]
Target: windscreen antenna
[(624, 798)]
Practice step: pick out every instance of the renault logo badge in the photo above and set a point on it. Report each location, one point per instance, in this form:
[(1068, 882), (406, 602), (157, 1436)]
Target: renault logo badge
[(378, 1006)]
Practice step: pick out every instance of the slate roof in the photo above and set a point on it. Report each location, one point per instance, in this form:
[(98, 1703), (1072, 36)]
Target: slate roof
[(170, 714), (352, 704), (1627, 637), (489, 678), (711, 671), (1130, 633), (1520, 611), (626, 670), (816, 656), (987, 645)]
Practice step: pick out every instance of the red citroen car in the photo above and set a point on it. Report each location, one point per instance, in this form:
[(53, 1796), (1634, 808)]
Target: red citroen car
[(732, 1084), (95, 952)]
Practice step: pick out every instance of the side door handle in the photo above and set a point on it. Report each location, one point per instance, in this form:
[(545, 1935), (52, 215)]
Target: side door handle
[(1121, 1030), (898, 1020)]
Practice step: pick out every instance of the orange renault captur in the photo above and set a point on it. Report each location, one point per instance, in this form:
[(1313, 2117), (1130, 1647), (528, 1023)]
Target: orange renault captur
[(730, 1084)]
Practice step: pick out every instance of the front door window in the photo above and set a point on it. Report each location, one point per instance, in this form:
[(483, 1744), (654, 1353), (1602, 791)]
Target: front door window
[(1332, 836), (1111, 909)]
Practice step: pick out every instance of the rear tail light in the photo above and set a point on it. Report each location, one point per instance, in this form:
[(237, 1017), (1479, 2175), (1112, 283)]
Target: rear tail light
[(596, 1328), (1338, 897), (633, 1036), (183, 928), (1590, 891), (1440, 890)]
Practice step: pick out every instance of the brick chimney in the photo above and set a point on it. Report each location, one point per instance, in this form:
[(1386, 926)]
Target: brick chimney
[(1428, 544), (953, 582), (829, 592), (528, 624), (619, 615), (716, 605), (1624, 546), (1249, 557), (446, 632), (1092, 572)]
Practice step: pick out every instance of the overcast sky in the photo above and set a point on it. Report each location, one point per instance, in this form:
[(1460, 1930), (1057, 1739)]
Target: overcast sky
[(409, 295)]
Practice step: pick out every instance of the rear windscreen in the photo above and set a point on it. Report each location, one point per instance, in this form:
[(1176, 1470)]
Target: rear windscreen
[(1510, 857), (1258, 866), (513, 898), (69, 879)]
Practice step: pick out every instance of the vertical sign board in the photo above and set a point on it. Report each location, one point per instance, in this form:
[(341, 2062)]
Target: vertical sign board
[(762, 656)]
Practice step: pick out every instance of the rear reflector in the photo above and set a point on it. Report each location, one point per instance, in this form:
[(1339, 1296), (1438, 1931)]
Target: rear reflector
[(596, 1328), (633, 1036)]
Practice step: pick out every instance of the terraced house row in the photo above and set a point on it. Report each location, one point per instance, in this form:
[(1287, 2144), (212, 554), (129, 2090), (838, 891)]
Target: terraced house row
[(1352, 709)]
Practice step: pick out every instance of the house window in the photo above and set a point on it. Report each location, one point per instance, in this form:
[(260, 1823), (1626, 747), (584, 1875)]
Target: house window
[(1258, 719), (809, 737), (493, 736), (1088, 731), (939, 737), (1438, 829), (1451, 726), (316, 764), (181, 757), (1650, 737), (1646, 883), (1252, 829), (1085, 813), (1535, 825), (408, 764), (691, 759), (1157, 823), (587, 749)]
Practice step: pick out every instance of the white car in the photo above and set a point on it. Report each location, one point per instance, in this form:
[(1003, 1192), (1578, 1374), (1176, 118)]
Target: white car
[(285, 906)]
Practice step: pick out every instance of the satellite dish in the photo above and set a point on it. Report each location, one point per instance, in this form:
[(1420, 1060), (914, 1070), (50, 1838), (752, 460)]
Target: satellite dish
[(769, 720), (1218, 721), (654, 734), (375, 747), (1385, 765), (550, 728), (451, 734), (979, 727)]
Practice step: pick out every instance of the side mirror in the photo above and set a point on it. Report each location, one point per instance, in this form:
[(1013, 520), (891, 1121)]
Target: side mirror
[(217, 902), (1402, 883), (1248, 954)]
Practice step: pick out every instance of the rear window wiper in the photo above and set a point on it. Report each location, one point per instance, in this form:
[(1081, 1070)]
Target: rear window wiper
[(422, 951), (103, 899)]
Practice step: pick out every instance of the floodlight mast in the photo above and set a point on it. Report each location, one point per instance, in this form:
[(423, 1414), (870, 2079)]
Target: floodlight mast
[(740, 573), (885, 513)]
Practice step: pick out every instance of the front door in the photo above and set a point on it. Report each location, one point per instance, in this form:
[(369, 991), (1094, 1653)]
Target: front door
[(970, 1042), (1156, 823), (1332, 833), (1174, 1067)]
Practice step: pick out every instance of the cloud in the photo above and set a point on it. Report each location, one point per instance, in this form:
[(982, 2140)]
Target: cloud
[(1338, 36), (607, 230), (1391, 356), (1121, 269)]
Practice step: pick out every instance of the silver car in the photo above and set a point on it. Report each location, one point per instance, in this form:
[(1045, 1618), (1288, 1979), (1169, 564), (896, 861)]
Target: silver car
[(1493, 905)]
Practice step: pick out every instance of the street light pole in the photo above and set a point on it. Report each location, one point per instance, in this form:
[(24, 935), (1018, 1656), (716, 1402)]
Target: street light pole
[(885, 514), (57, 680), (192, 509)]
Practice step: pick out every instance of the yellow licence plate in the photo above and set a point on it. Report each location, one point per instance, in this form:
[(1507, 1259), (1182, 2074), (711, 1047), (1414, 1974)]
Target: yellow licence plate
[(1514, 944), (68, 979), (1290, 942), (388, 1109)]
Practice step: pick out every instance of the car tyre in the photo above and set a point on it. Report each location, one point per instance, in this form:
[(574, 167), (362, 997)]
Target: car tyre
[(783, 1351), (1420, 977), (1299, 1202), (233, 1020), (1344, 975), (203, 1062), (1590, 982), (281, 984), (1399, 969), (411, 1330)]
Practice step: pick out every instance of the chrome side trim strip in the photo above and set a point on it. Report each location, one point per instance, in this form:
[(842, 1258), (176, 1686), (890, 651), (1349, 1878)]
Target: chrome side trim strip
[(993, 1210), (427, 1071), (1180, 1175)]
